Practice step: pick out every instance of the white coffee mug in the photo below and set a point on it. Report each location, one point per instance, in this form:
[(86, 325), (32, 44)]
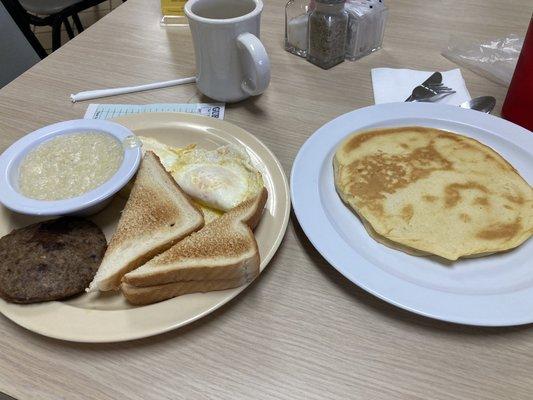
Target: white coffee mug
[(231, 62)]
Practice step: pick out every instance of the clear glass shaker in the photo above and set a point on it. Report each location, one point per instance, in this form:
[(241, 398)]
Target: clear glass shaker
[(296, 18), (327, 33), (366, 26)]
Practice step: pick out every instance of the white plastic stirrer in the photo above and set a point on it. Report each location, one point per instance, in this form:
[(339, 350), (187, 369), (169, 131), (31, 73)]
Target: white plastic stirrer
[(95, 94)]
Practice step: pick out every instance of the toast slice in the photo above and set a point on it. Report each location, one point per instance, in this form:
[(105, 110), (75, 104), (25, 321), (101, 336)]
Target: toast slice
[(140, 296), (222, 254), (157, 215)]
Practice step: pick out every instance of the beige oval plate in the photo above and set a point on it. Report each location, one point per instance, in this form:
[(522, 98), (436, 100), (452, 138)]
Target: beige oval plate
[(109, 318)]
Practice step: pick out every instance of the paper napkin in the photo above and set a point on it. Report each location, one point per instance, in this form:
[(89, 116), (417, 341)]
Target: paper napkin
[(395, 85)]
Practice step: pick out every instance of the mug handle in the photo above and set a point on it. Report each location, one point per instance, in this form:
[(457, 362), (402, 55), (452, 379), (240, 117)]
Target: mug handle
[(256, 65)]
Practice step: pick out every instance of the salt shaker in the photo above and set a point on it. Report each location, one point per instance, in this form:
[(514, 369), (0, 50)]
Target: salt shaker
[(327, 33), (296, 19)]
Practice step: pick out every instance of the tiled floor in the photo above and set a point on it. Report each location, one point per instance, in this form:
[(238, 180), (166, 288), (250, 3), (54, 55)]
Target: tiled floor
[(87, 17)]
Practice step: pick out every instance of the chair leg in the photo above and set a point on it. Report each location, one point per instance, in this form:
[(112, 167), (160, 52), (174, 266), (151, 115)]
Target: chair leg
[(56, 35), (77, 23), (70, 32)]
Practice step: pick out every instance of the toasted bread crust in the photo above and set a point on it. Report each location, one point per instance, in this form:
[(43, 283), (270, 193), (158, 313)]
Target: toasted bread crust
[(157, 215), (153, 294), (142, 213), (246, 266), (223, 250)]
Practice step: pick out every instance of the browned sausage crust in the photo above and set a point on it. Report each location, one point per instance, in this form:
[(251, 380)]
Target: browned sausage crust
[(50, 260)]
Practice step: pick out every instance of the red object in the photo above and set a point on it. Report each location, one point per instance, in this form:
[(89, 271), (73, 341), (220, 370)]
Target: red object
[(518, 105)]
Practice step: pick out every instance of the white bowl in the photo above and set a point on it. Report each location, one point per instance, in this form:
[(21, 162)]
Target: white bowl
[(89, 202)]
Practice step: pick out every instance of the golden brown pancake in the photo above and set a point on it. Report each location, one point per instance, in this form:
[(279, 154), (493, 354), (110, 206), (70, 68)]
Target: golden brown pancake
[(432, 191)]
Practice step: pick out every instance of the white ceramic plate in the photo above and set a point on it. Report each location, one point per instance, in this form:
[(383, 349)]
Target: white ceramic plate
[(108, 317), (496, 290)]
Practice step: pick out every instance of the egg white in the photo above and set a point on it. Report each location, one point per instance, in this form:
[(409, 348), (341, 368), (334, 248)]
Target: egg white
[(217, 180), (220, 179)]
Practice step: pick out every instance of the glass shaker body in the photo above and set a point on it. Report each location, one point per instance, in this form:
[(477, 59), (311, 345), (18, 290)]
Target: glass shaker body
[(327, 33), (296, 20), (366, 27)]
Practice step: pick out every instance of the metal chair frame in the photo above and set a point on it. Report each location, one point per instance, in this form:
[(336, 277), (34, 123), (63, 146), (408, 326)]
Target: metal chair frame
[(12, 7), (56, 20)]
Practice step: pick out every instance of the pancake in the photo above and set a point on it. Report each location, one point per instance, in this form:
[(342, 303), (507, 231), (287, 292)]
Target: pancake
[(428, 191)]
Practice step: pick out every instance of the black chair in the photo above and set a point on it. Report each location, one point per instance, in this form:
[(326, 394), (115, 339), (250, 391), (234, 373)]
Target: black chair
[(19, 47), (55, 13)]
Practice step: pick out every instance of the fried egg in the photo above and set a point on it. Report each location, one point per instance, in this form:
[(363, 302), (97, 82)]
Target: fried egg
[(217, 180), (220, 179), (166, 154)]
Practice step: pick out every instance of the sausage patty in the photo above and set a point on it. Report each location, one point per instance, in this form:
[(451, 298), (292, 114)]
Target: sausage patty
[(50, 260)]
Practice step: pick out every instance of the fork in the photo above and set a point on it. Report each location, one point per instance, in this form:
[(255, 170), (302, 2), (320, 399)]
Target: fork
[(430, 92)]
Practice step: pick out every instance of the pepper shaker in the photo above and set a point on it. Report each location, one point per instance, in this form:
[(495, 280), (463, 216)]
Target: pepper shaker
[(327, 33)]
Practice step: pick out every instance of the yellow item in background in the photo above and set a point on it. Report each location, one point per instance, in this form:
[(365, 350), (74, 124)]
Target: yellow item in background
[(173, 7), (173, 13)]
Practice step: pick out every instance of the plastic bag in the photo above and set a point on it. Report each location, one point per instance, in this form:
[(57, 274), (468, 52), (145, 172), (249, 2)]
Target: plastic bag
[(495, 59)]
